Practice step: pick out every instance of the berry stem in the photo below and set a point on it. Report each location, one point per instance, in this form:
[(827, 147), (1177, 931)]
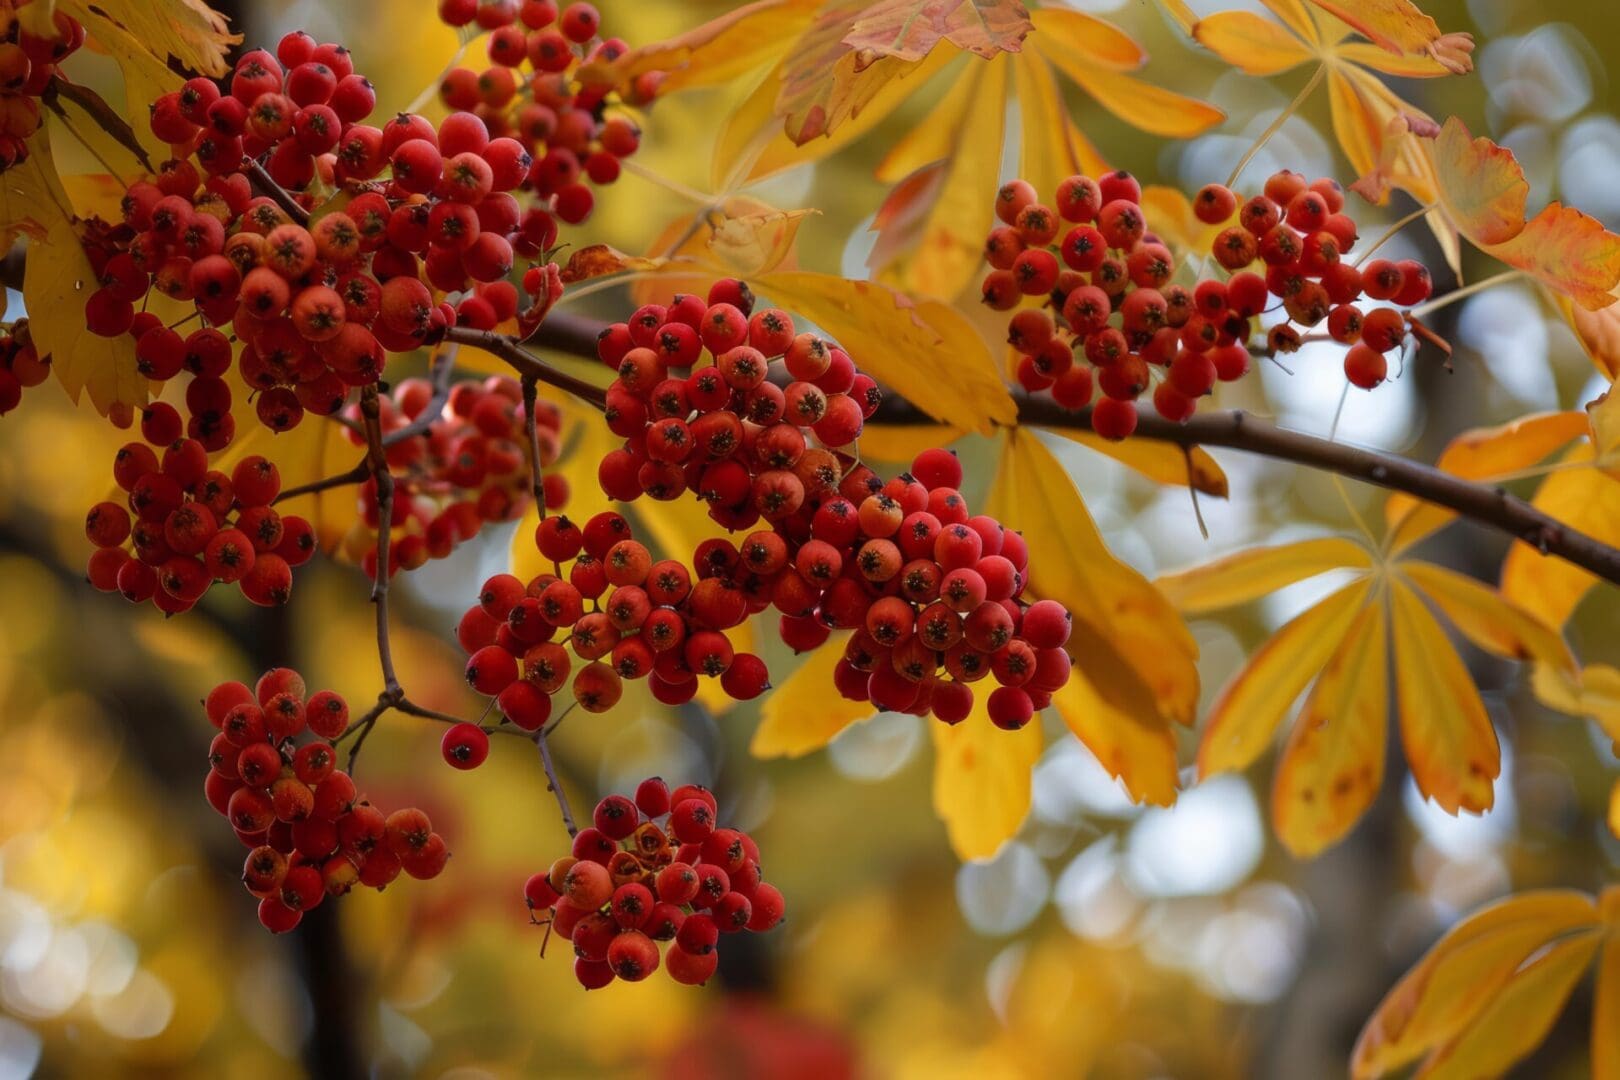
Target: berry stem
[(1463, 293), (355, 475), (378, 460), (261, 179), (536, 477), (1389, 233), (635, 168), (440, 369), (554, 784), (1276, 125)]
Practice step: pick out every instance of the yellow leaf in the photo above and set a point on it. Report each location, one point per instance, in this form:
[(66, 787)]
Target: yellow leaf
[(1050, 148), (1518, 1016), (28, 193), (1482, 454), (926, 351), (1584, 499), (1604, 417), (1606, 1009), (1333, 765), (804, 712), (1614, 827), (1158, 461), (1138, 750), (1567, 251), (1481, 184), (982, 780), (949, 248), (1456, 978), (188, 30), (1089, 39), (1126, 637), (1484, 617), (1593, 692), (1144, 105), (1256, 572), (903, 442), (909, 29), (1450, 745), (1405, 66), (713, 53), (95, 195), (1250, 42), (313, 450), (1244, 717)]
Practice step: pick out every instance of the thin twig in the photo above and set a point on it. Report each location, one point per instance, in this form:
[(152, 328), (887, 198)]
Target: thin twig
[(440, 370), (1276, 125), (537, 480), (526, 363), (279, 195), (353, 476), (378, 457), (554, 784)]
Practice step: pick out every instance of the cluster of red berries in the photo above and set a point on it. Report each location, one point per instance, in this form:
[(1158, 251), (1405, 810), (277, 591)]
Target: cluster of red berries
[(557, 118), (723, 429), (192, 525), (1108, 296), (1299, 230), (646, 619), (27, 65), (632, 882), (310, 832), (468, 467), (21, 366)]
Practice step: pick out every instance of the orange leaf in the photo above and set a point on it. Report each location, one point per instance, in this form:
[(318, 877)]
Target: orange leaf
[(1396, 25), (1092, 41), (1450, 744), (1458, 977), (909, 29), (1250, 42), (1245, 716), (1598, 332), (1586, 499), (1482, 454), (1567, 251), (1481, 184), (1333, 765), (1144, 105)]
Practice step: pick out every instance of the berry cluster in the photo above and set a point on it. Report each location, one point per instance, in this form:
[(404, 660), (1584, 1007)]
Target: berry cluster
[(632, 882), (1109, 298), (646, 619), (310, 832), (467, 467), (557, 118), (27, 65), (192, 525), (21, 366)]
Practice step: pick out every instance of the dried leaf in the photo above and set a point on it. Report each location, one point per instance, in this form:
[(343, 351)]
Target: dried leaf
[(823, 82), (1567, 251), (599, 260), (713, 53), (909, 29), (1597, 331), (1481, 185)]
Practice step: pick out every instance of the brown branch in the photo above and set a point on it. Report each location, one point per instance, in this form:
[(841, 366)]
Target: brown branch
[(355, 475), (441, 368), (554, 784), (527, 364)]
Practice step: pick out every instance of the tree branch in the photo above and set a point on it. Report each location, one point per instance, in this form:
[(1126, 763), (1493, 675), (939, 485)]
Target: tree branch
[(536, 477), (529, 365), (266, 184), (553, 783)]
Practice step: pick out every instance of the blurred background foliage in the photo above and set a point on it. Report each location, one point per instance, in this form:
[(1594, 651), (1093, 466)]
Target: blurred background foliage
[(1105, 940)]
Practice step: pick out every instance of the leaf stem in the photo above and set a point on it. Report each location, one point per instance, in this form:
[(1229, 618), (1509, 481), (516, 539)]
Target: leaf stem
[(1276, 124)]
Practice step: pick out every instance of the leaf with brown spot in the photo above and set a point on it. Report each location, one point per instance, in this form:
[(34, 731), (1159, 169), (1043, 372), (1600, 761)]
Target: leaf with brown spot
[(599, 260), (909, 29)]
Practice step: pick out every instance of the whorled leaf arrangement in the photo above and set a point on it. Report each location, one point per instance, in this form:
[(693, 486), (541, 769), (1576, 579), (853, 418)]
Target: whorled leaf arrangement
[(312, 249)]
